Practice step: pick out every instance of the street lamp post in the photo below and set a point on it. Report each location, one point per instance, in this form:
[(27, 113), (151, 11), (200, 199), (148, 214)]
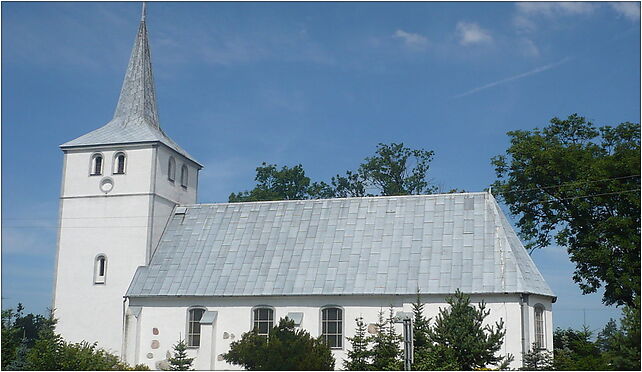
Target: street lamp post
[(408, 346)]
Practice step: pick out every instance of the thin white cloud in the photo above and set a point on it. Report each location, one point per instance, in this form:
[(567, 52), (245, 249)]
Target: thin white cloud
[(411, 40), (554, 8), (629, 9), (471, 33), (514, 77), (527, 13)]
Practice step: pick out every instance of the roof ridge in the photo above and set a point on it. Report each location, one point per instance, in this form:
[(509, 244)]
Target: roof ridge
[(512, 248), (350, 198)]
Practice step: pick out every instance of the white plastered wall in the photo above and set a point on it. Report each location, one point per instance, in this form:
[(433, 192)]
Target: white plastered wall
[(123, 224), (234, 315)]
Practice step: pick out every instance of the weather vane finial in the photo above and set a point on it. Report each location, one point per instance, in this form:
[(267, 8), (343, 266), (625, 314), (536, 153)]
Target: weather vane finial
[(144, 12)]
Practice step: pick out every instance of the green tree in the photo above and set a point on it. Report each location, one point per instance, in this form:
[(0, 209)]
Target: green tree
[(386, 351), (621, 346), (19, 333), (394, 170), (398, 170), (353, 184), (537, 359), (10, 337), (19, 360), (422, 358), (358, 353), (284, 349), (274, 184), (574, 350), (179, 361), (579, 185), (460, 341)]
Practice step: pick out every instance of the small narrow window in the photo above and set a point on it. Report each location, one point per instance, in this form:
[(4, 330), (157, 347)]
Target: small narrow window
[(194, 327), (119, 163), (171, 169), (96, 165), (184, 176), (539, 327), (263, 320), (332, 327), (100, 269)]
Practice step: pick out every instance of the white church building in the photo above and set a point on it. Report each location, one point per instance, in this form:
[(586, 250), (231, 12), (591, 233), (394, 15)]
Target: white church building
[(157, 266)]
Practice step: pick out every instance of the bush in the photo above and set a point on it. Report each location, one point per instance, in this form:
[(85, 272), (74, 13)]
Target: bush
[(283, 349)]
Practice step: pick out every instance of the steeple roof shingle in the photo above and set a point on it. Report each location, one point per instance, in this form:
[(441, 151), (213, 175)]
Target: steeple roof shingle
[(136, 117)]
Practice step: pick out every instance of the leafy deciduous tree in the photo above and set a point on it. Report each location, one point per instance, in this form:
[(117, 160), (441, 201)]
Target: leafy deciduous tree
[(284, 349), (392, 172), (579, 184)]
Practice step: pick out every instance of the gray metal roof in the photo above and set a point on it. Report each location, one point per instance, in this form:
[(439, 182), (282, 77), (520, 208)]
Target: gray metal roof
[(351, 246), (136, 116)]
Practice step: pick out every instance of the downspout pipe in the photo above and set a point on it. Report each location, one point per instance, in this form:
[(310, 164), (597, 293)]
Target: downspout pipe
[(523, 302), (123, 345)]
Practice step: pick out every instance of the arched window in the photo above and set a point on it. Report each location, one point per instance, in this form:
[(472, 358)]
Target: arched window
[(119, 163), (171, 169), (184, 176), (540, 340), (100, 269), (263, 320), (96, 167), (332, 326), (194, 316)]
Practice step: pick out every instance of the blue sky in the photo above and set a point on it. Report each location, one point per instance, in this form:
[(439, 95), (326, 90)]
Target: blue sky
[(313, 83)]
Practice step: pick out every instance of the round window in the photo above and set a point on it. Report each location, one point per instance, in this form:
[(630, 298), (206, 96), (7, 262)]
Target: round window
[(106, 185)]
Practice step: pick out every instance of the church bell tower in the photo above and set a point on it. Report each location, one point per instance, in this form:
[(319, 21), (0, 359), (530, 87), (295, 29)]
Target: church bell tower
[(120, 184)]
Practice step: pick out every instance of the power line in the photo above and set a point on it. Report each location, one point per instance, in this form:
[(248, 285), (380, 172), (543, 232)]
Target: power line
[(503, 192), (100, 227), (568, 183), (584, 196)]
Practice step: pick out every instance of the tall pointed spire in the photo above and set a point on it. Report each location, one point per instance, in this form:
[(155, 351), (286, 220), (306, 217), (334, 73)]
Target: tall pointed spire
[(137, 102)]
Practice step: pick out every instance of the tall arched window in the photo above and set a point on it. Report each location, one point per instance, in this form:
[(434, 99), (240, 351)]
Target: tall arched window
[(119, 163), (332, 326), (184, 176), (100, 269), (540, 340), (96, 166), (263, 320), (171, 169), (194, 316)]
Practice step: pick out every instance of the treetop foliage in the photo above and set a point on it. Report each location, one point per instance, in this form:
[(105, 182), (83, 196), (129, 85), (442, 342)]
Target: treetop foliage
[(285, 348), (579, 185), (394, 170)]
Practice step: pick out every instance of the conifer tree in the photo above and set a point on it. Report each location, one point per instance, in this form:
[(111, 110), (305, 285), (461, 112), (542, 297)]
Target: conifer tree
[(386, 353), (460, 341), (421, 344), (20, 361), (180, 361), (537, 359), (358, 355)]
